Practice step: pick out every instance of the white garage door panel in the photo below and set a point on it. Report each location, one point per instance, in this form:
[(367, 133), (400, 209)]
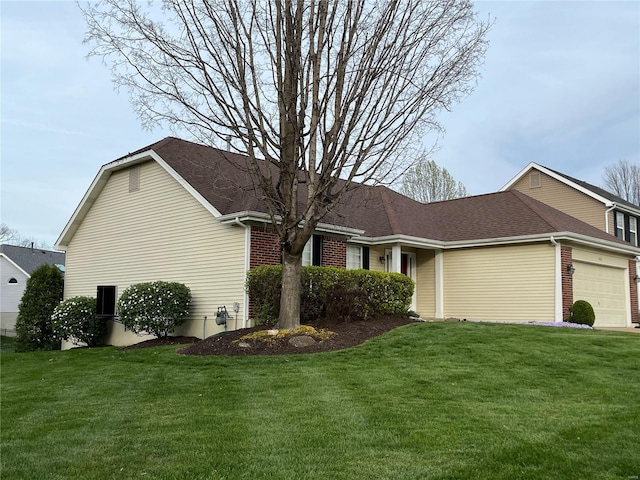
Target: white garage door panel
[(605, 289)]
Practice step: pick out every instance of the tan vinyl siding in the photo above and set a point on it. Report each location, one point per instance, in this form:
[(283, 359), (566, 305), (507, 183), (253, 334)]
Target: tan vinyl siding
[(157, 233), (375, 252), (566, 199), (425, 283), (508, 283)]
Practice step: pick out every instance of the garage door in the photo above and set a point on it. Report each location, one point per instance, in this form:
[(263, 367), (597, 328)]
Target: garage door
[(605, 289)]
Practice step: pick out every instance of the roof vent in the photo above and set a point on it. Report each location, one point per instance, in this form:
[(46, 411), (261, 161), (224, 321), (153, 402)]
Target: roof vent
[(134, 178), (534, 180)]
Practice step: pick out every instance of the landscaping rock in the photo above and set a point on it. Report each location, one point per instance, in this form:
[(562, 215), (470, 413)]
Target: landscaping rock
[(244, 345), (301, 341)]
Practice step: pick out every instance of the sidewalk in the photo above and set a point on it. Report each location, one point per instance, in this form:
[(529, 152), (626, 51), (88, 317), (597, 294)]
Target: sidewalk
[(620, 329)]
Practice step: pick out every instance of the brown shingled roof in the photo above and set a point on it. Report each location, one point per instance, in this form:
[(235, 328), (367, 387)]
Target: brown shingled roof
[(222, 178)]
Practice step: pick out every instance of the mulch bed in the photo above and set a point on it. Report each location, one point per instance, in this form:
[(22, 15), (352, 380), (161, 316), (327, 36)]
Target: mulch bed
[(347, 334)]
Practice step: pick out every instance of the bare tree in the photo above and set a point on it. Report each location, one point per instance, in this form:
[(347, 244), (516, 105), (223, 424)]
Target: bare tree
[(327, 93), (427, 182), (13, 237), (623, 179)]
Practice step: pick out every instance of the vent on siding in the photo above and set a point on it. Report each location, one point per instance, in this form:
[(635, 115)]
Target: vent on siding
[(134, 178), (534, 180)]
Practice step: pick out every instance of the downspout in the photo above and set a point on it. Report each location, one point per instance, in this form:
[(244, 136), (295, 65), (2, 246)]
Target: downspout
[(606, 218), (557, 311), (247, 250)]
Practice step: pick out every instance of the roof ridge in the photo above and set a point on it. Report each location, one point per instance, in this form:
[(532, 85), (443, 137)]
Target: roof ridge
[(387, 203), (534, 205)]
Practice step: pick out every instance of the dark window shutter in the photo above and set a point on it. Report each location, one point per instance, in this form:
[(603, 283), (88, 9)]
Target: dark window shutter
[(365, 258), (627, 228), (317, 251)]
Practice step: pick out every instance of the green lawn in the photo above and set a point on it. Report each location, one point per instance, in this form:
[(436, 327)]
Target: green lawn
[(7, 344), (432, 401)]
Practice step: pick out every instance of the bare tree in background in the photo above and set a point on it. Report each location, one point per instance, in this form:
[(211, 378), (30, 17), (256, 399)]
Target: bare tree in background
[(623, 179), (10, 236), (328, 93), (427, 182)]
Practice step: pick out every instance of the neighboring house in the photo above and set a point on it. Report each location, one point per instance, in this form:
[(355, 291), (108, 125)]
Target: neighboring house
[(586, 202), (178, 211), (16, 266)]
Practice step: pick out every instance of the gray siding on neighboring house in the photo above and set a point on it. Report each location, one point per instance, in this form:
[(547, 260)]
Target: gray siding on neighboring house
[(10, 293)]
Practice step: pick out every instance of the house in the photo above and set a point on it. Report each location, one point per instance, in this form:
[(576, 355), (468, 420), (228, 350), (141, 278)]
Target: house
[(588, 203), (16, 266), (179, 211)]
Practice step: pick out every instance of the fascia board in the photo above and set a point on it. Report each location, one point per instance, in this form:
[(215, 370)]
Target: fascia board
[(560, 178), (3, 255), (246, 216), (100, 181), (627, 209), (545, 237), (259, 217), (404, 239), (596, 242)]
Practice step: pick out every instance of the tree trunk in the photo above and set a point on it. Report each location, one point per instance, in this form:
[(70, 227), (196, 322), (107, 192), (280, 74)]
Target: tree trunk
[(290, 300)]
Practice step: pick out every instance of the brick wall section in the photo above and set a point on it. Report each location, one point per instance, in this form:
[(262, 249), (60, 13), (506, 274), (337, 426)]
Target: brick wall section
[(265, 246), (566, 259), (334, 252), (633, 285), (265, 250)]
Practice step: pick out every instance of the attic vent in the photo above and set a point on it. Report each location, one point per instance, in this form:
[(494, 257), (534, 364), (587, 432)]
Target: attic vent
[(534, 180), (134, 178)]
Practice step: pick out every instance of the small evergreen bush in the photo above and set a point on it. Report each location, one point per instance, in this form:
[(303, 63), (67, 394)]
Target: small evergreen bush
[(264, 285), (582, 313), (75, 320), (331, 292), (42, 294), (157, 308)]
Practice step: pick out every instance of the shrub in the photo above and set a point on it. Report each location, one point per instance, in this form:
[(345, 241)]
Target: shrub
[(264, 284), (75, 320), (331, 292), (42, 294), (157, 308), (582, 313)]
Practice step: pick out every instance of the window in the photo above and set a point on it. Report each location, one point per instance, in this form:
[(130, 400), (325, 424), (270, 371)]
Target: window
[(354, 257), (312, 253), (12, 280), (620, 225), (633, 231), (307, 254), (106, 301)]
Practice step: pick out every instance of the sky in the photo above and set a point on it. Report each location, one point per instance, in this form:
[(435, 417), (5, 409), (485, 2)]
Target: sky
[(560, 86)]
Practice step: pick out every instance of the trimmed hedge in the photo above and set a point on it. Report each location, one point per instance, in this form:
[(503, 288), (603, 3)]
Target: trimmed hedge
[(329, 292), (76, 320), (582, 313), (157, 308)]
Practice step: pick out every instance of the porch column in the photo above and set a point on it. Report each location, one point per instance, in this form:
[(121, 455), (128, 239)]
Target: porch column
[(396, 258), (439, 284), (558, 300)]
